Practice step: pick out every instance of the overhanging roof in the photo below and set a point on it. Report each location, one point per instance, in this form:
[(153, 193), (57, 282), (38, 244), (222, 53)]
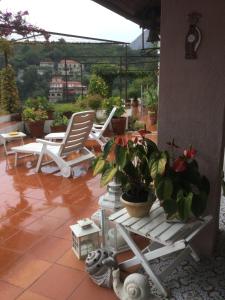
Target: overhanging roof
[(138, 11)]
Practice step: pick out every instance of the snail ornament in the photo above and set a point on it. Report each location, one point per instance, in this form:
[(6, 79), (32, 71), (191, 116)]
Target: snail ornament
[(100, 265), (135, 287)]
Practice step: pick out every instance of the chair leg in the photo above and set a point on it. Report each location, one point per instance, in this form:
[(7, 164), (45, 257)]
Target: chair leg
[(38, 166)]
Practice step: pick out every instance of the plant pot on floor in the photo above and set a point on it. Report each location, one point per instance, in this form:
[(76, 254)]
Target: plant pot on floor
[(58, 128), (153, 117), (118, 125), (36, 128)]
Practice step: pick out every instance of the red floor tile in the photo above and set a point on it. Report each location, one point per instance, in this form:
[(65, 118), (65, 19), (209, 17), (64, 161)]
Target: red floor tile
[(9, 291), (25, 271), (58, 282), (70, 260), (22, 241), (50, 249), (28, 295), (89, 290), (64, 230), (7, 258), (45, 224)]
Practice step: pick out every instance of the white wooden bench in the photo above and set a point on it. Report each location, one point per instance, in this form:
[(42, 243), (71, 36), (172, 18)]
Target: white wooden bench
[(166, 238)]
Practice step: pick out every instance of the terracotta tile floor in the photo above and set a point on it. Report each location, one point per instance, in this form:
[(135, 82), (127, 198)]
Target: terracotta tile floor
[(36, 260)]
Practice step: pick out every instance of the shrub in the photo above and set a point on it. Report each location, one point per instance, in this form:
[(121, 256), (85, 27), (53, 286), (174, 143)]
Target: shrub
[(98, 86), (32, 114)]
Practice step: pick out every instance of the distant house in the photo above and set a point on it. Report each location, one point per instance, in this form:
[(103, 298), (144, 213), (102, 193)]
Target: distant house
[(56, 89), (61, 90), (45, 66), (70, 68)]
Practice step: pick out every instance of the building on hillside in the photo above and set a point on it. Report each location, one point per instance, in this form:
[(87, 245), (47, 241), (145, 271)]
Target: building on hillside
[(70, 68), (46, 65), (61, 90), (56, 89)]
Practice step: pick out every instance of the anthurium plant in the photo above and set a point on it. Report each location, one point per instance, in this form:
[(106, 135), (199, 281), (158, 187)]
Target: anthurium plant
[(128, 162), (181, 188)]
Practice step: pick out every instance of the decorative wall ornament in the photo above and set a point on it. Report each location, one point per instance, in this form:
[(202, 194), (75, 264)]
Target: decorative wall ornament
[(193, 37), (135, 287), (100, 265)]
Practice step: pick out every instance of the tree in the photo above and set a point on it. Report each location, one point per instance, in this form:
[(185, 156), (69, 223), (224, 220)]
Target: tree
[(108, 72), (97, 86), (9, 93)]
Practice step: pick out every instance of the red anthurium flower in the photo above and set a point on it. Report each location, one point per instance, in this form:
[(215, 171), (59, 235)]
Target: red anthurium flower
[(179, 165), (121, 141), (143, 132), (190, 153)]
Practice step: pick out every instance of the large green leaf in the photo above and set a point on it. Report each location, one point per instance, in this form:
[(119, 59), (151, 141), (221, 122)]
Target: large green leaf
[(170, 207), (107, 148), (157, 166), (199, 204), (184, 203), (99, 166), (164, 189), (108, 175), (120, 156)]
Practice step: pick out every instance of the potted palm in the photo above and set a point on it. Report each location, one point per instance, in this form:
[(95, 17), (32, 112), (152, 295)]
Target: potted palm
[(35, 119), (129, 165)]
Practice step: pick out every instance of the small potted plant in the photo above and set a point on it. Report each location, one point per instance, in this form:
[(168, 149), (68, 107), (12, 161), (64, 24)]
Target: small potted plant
[(130, 167), (35, 119), (151, 101), (181, 188), (59, 123), (118, 121)]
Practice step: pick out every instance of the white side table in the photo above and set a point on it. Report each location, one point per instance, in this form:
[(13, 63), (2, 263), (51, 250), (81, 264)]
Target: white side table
[(7, 137)]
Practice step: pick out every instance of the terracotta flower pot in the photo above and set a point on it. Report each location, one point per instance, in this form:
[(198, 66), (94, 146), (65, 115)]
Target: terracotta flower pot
[(118, 125), (58, 128), (153, 117), (137, 209), (36, 128)]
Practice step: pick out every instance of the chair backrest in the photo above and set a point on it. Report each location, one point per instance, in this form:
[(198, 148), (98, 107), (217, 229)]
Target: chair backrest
[(77, 132), (108, 120)]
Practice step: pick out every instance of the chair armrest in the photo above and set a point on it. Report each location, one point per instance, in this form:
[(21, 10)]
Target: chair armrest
[(46, 142), (97, 126)]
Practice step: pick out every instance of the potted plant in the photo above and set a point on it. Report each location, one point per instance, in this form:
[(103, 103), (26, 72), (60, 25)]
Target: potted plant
[(59, 123), (118, 122), (181, 188), (151, 101), (41, 103), (35, 119), (130, 167)]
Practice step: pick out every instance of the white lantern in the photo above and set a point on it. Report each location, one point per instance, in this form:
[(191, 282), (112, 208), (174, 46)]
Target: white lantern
[(85, 237), (110, 203)]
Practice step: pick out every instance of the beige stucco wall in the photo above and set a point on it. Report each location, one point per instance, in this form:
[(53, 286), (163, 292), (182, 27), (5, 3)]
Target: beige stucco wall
[(192, 92)]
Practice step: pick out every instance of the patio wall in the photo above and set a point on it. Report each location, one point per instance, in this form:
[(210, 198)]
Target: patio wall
[(192, 92)]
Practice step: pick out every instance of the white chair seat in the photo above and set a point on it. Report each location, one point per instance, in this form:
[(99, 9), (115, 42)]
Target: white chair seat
[(77, 133)]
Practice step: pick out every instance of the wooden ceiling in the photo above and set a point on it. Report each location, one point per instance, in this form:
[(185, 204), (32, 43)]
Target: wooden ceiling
[(138, 11)]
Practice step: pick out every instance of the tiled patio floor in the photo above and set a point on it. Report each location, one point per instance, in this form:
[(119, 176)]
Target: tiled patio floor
[(36, 260)]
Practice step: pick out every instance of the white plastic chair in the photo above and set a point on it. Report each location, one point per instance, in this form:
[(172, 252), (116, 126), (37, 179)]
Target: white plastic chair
[(96, 133), (75, 136)]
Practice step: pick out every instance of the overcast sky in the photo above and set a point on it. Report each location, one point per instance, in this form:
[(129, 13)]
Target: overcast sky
[(78, 17)]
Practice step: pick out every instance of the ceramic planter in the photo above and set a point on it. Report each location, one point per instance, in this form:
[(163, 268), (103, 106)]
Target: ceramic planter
[(137, 209)]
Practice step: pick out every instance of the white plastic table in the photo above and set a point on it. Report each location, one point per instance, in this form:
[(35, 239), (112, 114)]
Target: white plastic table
[(166, 238), (7, 137)]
